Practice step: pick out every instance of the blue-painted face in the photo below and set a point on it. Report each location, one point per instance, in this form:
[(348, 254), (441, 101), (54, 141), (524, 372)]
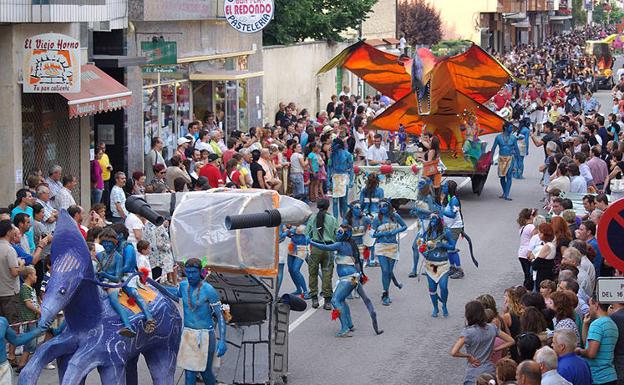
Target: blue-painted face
[(508, 128), (109, 246), (445, 189), (384, 208), (434, 220), (343, 235), (193, 274), (356, 210)]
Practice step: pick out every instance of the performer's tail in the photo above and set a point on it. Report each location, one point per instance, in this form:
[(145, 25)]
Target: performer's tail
[(474, 260), (369, 307)]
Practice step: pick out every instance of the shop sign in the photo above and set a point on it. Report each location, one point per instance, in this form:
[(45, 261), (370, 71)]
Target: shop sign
[(160, 52), (159, 69), (248, 16), (51, 64)]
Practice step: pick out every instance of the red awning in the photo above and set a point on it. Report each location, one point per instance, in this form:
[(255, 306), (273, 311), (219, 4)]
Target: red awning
[(99, 93)]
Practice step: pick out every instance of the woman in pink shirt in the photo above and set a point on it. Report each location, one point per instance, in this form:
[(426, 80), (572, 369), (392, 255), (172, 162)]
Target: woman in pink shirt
[(97, 182)]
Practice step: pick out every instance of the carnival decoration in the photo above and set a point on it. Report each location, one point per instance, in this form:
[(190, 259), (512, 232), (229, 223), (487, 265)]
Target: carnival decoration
[(446, 88), (89, 339)]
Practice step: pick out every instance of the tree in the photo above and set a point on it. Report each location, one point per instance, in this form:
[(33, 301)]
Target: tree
[(419, 21), (296, 21), (579, 15)]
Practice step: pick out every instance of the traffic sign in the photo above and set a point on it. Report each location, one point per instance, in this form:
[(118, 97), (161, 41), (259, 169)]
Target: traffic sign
[(610, 235), (610, 290)]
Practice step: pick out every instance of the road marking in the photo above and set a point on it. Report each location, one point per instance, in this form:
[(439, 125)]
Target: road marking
[(462, 184), (308, 313)]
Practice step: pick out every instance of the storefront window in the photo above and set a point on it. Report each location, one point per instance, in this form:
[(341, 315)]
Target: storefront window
[(231, 109), (150, 116), (183, 106), (219, 101), (242, 105), (167, 119)]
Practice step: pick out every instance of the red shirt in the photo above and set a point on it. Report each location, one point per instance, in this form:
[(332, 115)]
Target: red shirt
[(500, 100), (227, 155), (210, 171)]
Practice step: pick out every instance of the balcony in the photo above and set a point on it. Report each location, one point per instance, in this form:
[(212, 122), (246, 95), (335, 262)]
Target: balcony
[(111, 13), (538, 5), (512, 6), (161, 10)]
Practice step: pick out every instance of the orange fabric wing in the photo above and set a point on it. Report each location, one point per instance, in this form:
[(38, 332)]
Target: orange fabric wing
[(445, 124), (381, 70), (476, 74)]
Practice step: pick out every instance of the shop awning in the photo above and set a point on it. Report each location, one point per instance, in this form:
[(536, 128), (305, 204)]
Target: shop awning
[(99, 93), (560, 17), (225, 75), (522, 24)]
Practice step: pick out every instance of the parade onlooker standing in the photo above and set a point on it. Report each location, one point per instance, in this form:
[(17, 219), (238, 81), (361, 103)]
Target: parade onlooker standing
[(154, 157), (547, 360), (525, 221), (97, 180), (118, 199), (54, 182), (321, 228), (10, 269), (570, 366), (64, 198), (161, 258), (23, 205), (175, 171), (617, 315), (29, 310), (298, 165)]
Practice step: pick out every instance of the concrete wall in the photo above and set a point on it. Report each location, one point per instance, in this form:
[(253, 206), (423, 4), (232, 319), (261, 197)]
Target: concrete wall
[(11, 46), (382, 21), (194, 38), (290, 76)]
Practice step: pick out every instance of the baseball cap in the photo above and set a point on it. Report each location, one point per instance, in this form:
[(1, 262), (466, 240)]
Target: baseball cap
[(213, 157), (183, 140)]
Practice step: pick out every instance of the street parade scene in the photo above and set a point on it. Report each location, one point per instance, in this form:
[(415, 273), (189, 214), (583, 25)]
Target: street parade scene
[(278, 192)]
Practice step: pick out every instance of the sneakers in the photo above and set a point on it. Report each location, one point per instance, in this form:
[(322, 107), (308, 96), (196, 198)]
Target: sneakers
[(459, 273), (315, 302)]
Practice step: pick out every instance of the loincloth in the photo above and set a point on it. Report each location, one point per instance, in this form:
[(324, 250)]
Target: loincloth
[(504, 163), (388, 250), (435, 270), (339, 185), (194, 349)]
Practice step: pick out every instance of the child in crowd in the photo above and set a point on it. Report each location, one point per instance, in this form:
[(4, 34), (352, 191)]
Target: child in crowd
[(547, 287), (93, 253), (28, 311), (142, 259), (491, 318)]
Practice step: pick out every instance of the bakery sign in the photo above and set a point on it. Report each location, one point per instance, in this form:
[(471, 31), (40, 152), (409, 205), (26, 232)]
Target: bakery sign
[(51, 64), (248, 16)]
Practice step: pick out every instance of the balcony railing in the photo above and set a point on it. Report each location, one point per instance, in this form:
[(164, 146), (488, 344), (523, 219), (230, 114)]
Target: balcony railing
[(64, 11)]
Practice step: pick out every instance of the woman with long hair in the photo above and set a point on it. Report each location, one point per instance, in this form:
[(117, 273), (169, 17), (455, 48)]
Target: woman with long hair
[(532, 321), (512, 311), (478, 337), (387, 226), (454, 221), (314, 164), (370, 196), (543, 254), (563, 237), (525, 221)]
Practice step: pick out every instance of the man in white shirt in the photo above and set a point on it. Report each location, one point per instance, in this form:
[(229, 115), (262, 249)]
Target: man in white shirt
[(64, 198), (134, 223), (548, 360), (561, 182), (118, 199), (202, 142), (54, 181), (377, 154)]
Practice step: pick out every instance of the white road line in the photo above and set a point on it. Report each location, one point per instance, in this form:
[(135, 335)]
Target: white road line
[(462, 184), (308, 313)]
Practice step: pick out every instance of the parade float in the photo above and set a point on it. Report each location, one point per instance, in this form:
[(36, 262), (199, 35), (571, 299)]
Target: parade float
[(234, 234), (441, 96)]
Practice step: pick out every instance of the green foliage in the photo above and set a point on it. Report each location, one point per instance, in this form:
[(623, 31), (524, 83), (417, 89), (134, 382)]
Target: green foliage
[(295, 21), (599, 15), (579, 15), (450, 47), (419, 21)]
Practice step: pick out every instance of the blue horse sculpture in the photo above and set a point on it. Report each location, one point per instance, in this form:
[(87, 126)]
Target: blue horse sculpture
[(90, 338)]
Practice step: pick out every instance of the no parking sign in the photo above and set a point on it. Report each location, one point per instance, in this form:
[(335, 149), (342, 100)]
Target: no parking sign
[(610, 235)]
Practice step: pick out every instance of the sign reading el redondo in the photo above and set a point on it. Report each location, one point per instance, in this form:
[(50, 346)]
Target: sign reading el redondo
[(248, 16), (51, 64)]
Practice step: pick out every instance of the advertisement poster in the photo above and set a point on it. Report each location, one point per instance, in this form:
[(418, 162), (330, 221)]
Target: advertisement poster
[(51, 64), (248, 16)]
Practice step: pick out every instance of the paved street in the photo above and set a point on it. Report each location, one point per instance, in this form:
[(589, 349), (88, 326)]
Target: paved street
[(414, 348)]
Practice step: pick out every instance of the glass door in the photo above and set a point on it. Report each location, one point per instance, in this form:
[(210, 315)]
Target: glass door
[(231, 106)]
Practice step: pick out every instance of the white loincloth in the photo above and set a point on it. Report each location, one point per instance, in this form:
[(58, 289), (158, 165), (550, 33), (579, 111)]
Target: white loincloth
[(339, 185), (301, 251), (389, 250), (6, 374), (435, 270), (194, 348)]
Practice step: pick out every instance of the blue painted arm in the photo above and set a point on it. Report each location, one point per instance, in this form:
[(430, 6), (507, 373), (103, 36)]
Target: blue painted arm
[(400, 221), (494, 146), (129, 260), (322, 246), (449, 244), (18, 339), (215, 305), (350, 168), (58, 330), (22, 254), (450, 211)]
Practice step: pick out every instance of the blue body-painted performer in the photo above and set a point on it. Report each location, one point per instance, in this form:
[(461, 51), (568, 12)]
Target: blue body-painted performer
[(370, 196), (201, 304), (283, 254), (508, 150), (128, 254), (350, 276), (523, 135), (110, 270), (453, 221), (298, 251), (402, 138), (340, 173), (437, 241), (387, 226), (424, 207), (360, 224)]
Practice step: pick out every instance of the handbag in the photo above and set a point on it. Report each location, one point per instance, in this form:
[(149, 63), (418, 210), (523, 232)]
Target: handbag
[(616, 185)]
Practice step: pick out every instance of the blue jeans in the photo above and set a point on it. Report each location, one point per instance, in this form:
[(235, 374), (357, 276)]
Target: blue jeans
[(96, 196), (298, 188)]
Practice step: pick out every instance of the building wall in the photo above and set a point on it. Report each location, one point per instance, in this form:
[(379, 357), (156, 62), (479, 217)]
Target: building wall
[(460, 18), (11, 45), (290, 76), (382, 21), (194, 38)]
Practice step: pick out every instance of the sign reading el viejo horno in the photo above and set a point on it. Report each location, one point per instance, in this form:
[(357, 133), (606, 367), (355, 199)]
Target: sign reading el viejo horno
[(248, 16), (51, 64)]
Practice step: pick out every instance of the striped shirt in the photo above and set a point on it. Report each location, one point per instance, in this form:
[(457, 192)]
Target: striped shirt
[(604, 331)]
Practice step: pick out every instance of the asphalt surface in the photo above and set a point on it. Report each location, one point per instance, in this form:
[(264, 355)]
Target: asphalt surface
[(414, 348)]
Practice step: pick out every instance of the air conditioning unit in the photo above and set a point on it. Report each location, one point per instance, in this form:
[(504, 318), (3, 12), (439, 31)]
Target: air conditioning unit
[(100, 26)]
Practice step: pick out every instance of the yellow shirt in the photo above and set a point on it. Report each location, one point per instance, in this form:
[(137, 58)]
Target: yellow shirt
[(104, 163)]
